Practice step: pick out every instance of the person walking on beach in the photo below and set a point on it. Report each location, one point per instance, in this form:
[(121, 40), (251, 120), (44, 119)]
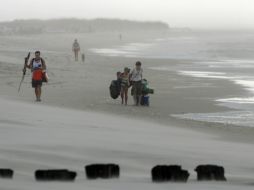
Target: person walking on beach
[(125, 83), (38, 69), (76, 49), (136, 78)]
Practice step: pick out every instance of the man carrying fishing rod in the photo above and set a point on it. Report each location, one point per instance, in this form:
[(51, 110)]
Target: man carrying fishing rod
[(38, 69)]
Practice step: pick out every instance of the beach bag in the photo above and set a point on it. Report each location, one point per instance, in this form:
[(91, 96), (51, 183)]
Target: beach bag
[(114, 89), (45, 77), (145, 89)]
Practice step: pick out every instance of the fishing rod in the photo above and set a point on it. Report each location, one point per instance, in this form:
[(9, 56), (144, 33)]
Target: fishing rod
[(24, 70)]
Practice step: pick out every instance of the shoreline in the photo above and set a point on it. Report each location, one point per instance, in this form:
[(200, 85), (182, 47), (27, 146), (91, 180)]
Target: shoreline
[(104, 104), (72, 85)]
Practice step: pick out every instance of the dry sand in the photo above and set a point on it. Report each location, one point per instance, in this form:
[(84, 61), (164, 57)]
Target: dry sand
[(42, 137)]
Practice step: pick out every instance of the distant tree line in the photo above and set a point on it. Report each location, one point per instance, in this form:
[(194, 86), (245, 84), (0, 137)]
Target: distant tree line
[(35, 26)]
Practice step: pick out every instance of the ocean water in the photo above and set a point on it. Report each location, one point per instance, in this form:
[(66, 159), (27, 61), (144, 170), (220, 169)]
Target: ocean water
[(215, 55), (168, 48), (237, 71)]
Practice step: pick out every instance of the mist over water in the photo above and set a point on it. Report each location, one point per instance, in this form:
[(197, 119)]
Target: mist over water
[(209, 14), (191, 45)]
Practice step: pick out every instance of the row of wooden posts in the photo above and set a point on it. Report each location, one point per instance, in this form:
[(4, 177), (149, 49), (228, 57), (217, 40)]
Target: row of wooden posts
[(159, 173)]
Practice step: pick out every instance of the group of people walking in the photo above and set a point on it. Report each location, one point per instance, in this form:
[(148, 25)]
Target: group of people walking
[(131, 78), (125, 79)]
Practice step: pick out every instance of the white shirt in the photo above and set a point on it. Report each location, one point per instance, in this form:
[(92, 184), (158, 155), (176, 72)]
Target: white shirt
[(37, 64), (136, 75)]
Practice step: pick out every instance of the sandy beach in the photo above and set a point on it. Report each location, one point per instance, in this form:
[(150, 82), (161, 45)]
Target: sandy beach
[(77, 123)]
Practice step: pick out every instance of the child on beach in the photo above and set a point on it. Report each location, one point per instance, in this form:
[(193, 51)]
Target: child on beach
[(125, 83), (145, 93), (119, 81)]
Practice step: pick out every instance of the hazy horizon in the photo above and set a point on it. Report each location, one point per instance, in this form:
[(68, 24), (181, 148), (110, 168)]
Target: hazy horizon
[(206, 14)]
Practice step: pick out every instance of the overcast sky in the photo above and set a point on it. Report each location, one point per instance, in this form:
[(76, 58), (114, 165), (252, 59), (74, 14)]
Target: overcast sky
[(177, 13)]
